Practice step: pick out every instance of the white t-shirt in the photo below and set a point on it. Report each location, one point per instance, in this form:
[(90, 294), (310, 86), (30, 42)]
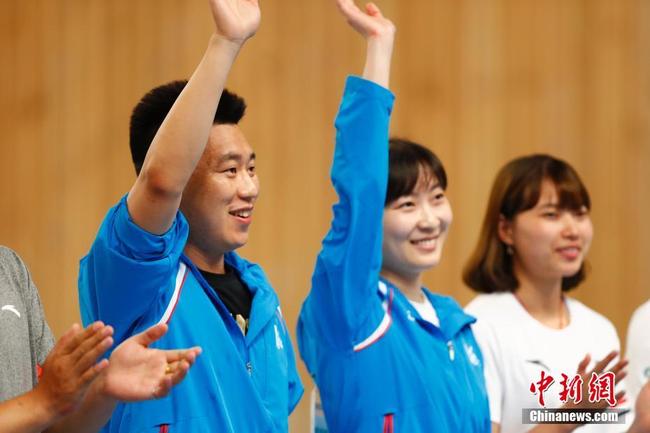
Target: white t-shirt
[(638, 350), (516, 348), (426, 310)]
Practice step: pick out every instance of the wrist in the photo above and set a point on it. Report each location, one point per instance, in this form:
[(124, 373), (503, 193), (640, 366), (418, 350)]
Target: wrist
[(101, 391), (378, 58), (383, 42), (45, 406), (220, 41)]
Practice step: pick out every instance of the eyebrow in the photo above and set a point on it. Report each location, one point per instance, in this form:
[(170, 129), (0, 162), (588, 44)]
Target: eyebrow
[(233, 156), (434, 187), (428, 190)]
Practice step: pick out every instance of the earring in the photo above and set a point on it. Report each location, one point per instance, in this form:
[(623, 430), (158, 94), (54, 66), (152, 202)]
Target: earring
[(509, 250)]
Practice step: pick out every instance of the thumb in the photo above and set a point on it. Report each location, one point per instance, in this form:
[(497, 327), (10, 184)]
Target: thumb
[(151, 334)]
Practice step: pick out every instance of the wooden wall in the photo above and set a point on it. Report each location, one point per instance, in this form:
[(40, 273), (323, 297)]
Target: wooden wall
[(479, 82)]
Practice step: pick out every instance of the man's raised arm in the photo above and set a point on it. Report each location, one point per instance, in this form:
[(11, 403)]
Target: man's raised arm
[(179, 143)]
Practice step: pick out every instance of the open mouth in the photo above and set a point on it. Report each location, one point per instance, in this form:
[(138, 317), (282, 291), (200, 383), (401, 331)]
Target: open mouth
[(426, 244), (244, 215), (570, 253)]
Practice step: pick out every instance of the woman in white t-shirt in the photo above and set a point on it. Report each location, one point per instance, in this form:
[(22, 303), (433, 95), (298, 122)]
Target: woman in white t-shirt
[(535, 235), (638, 353)]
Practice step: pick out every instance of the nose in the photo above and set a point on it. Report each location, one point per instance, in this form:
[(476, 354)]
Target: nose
[(570, 229), (427, 219), (248, 187)]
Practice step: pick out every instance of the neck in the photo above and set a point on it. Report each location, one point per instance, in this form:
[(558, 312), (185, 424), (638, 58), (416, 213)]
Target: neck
[(409, 285), (207, 262), (543, 300)]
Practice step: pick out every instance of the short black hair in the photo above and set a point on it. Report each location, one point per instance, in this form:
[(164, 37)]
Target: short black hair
[(406, 160), (151, 110)]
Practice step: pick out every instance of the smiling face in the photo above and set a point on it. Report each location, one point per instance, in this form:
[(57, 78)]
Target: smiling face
[(219, 198), (549, 242), (415, 228)]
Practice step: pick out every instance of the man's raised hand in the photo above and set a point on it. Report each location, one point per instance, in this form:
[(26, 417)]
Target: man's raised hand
[(236, 20)]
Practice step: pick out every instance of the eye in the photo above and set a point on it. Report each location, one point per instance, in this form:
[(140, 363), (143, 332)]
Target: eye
[(251, 170), (582, 212), (438, 196), (230, 171), (405, 204), (550, 214)]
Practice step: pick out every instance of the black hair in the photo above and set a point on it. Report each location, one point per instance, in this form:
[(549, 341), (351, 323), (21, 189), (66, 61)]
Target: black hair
[(406, 162), (151, 110)]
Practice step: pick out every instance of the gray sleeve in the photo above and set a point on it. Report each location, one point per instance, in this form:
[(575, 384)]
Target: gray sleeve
[(40, 335)]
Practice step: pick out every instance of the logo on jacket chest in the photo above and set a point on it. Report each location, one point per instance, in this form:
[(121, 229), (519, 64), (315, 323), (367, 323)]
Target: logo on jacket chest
[(471, 354)]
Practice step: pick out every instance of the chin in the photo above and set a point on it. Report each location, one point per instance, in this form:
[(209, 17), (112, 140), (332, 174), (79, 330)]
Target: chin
[(431, 260), (242, 242), (236, 245), (424, 265), (570, 273)]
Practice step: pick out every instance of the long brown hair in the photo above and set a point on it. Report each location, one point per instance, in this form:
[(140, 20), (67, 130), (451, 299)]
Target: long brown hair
[(516, 189)]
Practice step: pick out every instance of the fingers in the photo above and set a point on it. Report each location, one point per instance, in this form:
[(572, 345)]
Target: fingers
[(89, 358), (619, 369), (373, 10), (151, 334), (91, 340), (602, 364), (582, 367), (71, 339), (179, 372), (162, 389), (92, 372), (78, 341), (620, 397), (81, 347), (175, 373), (348, 8), (179, 355)]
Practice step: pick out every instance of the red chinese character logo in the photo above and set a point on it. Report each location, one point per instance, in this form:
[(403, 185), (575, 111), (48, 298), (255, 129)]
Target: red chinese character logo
[(571, 389), (541, 386), (602, 388)]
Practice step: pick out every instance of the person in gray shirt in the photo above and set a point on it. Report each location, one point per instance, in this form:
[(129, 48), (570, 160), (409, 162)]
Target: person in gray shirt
[(74, 391)]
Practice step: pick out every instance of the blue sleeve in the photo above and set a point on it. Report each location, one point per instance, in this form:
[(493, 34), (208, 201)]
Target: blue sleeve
[(295, 384), (128, 270), (343, 302)]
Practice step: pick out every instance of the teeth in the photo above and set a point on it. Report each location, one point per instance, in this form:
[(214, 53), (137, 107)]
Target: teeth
[(243, 213)]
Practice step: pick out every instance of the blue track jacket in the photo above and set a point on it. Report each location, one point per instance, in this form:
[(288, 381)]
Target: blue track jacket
[(132, 279), (379, 367)]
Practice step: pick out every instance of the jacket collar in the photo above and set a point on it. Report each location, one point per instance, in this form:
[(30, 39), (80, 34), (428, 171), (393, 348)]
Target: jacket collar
[(265, 301), (452, 318)]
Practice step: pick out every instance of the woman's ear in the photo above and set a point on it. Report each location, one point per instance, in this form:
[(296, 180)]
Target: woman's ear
[(505, 230)]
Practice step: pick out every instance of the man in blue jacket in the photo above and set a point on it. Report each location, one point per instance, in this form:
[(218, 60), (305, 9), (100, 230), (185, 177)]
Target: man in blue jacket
[(164, 253)]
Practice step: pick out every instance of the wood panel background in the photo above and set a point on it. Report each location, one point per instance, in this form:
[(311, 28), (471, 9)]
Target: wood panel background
[(479, 82)]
